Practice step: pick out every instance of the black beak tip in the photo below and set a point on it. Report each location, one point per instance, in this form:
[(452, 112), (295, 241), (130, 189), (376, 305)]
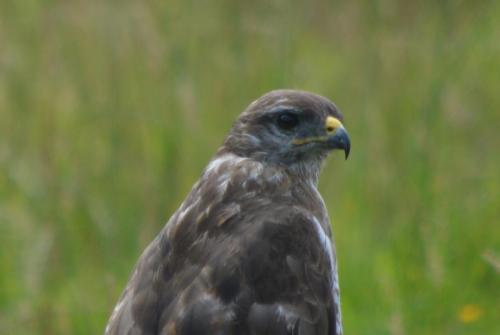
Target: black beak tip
[(340, 140), (345, 142)]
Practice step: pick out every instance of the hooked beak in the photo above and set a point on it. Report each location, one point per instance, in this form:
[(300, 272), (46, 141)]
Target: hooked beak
[(338, 138)]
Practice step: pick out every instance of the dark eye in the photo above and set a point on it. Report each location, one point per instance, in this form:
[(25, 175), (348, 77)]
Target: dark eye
[(287, 121)]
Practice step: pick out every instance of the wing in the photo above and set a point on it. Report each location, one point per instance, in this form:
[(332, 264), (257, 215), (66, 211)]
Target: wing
[(265, 273), (136, 312), (289, 272), (262, 271)]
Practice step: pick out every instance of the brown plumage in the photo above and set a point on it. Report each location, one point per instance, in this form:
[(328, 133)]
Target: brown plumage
[(249, 251)]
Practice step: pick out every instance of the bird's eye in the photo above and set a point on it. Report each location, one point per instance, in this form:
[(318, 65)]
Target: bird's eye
[(287, 121)]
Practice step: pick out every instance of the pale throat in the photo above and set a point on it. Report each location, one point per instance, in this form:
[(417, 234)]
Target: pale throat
[(306, 171)]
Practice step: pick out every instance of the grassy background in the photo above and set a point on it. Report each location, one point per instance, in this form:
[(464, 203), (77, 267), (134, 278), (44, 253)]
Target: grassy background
[(110, 110)]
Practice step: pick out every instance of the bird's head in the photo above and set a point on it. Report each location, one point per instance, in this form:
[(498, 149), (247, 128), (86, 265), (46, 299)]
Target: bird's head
[(288, 127)]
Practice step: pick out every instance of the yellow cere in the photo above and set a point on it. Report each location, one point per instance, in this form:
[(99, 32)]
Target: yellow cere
[(332, 124)]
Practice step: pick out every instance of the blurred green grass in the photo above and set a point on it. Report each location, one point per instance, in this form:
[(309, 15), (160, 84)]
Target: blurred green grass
[(110, 110)]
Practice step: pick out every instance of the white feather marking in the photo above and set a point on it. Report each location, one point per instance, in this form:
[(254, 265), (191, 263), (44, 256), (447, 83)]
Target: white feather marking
[(216, 163), (205, 296), (281, 101), (118, 307), (327, 245), (185, 209), (223, 181), (116, 310), (287, 315), (255, 170)]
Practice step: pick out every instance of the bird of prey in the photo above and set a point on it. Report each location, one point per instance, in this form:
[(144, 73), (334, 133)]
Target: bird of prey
[(249, 251)]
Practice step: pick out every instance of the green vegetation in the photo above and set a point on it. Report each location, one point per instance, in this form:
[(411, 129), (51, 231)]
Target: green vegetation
[(110, 110)]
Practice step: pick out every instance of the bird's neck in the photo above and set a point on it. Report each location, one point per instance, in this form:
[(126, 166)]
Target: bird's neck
[(306, 171)]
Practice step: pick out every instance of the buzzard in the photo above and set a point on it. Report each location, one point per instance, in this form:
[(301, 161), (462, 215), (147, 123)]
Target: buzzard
[(249, 251)]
